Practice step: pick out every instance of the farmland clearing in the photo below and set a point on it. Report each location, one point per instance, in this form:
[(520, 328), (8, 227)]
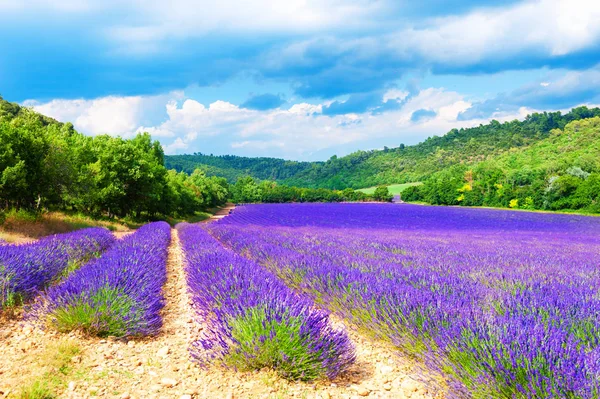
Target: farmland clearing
[(393, 189)]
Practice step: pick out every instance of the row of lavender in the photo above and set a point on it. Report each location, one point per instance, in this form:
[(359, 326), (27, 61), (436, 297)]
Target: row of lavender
[(253, 320), (117, 294), (26, 269), (505, 304)]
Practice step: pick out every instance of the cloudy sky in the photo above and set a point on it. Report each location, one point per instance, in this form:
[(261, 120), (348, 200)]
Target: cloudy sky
[(298, 79)]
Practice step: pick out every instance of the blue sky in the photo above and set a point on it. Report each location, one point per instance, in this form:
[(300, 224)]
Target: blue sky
[(300, 79)]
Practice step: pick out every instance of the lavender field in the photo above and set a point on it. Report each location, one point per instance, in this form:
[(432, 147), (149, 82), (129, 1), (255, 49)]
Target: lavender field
[(502, 304), (117, 294), (27, 269)]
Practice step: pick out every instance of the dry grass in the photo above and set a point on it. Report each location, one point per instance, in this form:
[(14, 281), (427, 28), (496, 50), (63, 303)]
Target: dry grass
[(51, 371), (22, 226)]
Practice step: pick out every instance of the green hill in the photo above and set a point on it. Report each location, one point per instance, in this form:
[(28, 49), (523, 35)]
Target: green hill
[(415, 163), (233, 167), (547, 161)]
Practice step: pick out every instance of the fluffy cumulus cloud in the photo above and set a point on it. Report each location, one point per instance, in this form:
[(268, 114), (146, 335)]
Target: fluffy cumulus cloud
[(108, 115), (528, 34), (302, 131)]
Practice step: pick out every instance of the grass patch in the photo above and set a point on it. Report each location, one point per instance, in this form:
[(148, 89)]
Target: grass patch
[(106, 312), (37, 390), (281, 345), (392, 188), (54, 367)]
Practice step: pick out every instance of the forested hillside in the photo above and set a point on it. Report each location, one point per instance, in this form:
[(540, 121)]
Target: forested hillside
[(45, 164), (233, 167), (558, 173), (548, 161), (401, 164)]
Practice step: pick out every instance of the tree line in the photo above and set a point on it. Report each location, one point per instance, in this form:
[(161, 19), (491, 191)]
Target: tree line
[(250, 190), (233, 167), (45, 164)]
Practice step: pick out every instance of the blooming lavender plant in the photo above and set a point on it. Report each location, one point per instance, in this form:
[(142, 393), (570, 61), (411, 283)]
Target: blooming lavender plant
[(117, 294), (253, 319), (504, 304), (26, 269)]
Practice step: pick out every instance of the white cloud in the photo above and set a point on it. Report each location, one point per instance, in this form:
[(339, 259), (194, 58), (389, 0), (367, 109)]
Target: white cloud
[(529, 29), (175, 146), (159, 21), (112, 115), (556, 27), (306, 109), (302, 130), (107, 115)]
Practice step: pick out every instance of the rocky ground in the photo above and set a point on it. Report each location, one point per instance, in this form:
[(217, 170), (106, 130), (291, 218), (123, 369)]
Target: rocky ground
[(160, 367)]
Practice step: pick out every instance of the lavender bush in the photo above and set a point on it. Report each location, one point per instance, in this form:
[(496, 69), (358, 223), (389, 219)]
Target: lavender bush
[(504, 304), (253, 319), (118, 294), (26, 269)]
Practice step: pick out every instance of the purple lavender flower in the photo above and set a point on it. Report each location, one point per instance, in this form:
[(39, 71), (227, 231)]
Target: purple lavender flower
[(253, 319), (28, 268), (118, 294)]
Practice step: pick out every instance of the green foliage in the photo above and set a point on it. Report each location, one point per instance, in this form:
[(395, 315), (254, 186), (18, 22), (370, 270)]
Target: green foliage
[(106, 312), (263, 341), (405, 164), (233, 167), (37, 390), (559, 172), (249, 190), (413, 194), (382, 194), (548, 161)]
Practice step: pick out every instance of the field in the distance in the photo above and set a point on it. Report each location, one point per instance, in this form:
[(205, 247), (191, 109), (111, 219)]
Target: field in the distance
[(392, 188)]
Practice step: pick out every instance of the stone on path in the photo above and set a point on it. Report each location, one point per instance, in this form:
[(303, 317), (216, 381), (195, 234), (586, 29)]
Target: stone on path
[(164, 351), (168, 382)]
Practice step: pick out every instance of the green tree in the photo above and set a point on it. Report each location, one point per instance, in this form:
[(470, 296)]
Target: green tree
[(382, 194)]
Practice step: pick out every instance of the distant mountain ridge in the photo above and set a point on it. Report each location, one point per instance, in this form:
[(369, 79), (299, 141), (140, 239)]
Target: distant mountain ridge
[(401, 164), (233, 167)]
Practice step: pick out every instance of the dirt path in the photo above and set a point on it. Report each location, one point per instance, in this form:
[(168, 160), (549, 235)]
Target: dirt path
[(220, 214), (160, 367)]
